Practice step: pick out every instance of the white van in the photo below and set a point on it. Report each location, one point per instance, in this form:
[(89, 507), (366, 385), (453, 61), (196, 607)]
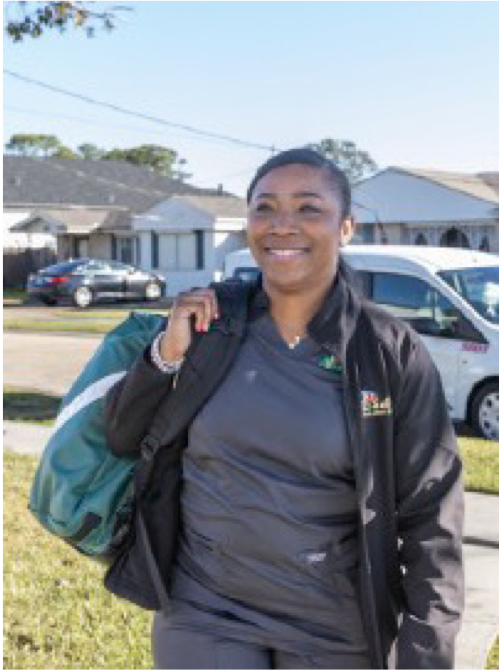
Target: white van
[(450, 297)]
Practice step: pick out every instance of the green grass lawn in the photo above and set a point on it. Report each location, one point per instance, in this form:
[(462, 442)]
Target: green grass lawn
[(69, 319), (480, 459), (56, 613), (492, 662)]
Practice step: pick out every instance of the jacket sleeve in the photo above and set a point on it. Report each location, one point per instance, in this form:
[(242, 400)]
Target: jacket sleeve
[(430, 518), (132, 403)]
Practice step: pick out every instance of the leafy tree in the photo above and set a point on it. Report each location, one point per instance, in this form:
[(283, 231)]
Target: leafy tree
[(90, 151), (162, 159), (34, 18), (344, 153), (30, 144)]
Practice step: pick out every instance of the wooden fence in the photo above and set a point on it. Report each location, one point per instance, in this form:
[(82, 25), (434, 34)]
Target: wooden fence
[(19, 263)]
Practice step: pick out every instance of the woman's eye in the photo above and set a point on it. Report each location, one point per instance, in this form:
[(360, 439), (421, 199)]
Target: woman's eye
[(263, 207), (308, 208)]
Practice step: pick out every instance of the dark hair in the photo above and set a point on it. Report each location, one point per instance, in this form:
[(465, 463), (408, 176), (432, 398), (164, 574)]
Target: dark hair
[(308, 157)]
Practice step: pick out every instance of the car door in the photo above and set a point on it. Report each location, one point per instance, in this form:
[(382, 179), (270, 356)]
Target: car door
[(439, 323), (121, 273), (99, 277), (135, 282)]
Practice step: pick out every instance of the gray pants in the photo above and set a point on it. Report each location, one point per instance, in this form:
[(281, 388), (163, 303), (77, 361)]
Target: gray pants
[(184, 649)]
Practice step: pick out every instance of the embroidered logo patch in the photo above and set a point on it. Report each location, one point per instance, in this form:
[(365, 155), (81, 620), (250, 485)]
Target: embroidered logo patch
[(330, 363), (372, 405)]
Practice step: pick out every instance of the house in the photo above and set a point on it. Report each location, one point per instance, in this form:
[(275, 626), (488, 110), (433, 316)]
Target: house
[(114, 210), (424, 207), (190, 236)]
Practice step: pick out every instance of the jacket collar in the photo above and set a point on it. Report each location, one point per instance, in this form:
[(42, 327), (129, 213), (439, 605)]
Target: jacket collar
[(333, 324)]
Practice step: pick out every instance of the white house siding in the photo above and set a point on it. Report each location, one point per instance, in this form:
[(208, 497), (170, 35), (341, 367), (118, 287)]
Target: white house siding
[(100, 246), (22, 241), (176, 224), (399, 197)]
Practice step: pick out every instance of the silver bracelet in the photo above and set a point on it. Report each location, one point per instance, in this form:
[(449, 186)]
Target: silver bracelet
[(159, 362)]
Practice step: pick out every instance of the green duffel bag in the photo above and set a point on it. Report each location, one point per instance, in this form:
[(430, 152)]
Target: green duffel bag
[(81, 492)]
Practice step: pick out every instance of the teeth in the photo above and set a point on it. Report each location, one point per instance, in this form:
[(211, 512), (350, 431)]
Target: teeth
[(286, 253)]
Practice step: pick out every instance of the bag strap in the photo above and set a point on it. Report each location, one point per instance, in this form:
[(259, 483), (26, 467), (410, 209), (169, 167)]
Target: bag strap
[(207, 360), (152, 565)]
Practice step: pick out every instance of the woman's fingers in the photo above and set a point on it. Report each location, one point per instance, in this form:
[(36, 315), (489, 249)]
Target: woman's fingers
[(202, 304)]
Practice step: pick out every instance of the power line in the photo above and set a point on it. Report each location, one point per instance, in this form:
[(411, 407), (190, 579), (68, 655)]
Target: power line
[(100, 124), (139, 115)]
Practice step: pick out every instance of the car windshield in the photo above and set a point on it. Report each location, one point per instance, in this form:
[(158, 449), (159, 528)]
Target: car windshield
[(64, 267), (478, 286)]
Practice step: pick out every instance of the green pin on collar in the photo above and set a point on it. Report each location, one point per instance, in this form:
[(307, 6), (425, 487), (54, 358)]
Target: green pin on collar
[(330, 363)]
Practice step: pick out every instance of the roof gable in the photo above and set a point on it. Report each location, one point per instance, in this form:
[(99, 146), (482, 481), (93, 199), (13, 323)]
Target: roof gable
[(399, 195), (481, 185)]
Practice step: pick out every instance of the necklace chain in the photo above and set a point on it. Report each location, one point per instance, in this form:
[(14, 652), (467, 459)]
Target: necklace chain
[(296, 339)]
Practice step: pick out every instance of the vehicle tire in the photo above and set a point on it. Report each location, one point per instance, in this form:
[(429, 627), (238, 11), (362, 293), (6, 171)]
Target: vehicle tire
[(48, 301), (484, 411), (83, 297), (152, 291)]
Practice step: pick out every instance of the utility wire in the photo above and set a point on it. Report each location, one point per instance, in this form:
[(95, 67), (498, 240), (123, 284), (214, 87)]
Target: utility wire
[(139, 115)]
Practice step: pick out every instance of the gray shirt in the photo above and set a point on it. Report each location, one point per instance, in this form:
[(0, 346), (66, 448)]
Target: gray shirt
[(269, 505)]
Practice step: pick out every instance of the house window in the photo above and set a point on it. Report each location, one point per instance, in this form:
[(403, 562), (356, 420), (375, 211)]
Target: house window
[(368, 233), (178, 252), (485, 244), (155, 250), (124, 250), (454, 238), (420, 239)]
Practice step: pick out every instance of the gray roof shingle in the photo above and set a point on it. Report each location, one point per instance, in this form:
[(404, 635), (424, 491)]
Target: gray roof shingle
[(36, 181)]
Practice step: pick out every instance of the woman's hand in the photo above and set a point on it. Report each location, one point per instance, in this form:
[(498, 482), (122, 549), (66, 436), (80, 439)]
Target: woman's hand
[(198, 303)]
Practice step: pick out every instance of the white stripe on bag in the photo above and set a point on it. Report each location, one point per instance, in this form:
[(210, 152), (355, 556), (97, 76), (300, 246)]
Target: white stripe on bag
[(92, 393)]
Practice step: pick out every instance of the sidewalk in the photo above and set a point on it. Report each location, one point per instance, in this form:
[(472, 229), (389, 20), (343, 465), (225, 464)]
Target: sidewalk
[(480, 622)]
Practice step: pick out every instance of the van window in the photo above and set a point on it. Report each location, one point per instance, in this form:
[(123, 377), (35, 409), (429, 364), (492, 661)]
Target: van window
[(479, 287), (422, 306), (246, 274)]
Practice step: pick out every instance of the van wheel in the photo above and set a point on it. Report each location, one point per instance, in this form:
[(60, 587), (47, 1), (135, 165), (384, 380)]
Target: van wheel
[(484, 411), (82, 297)]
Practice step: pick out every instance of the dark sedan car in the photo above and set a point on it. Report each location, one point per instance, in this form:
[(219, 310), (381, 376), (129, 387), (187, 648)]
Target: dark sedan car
[(84, 281)]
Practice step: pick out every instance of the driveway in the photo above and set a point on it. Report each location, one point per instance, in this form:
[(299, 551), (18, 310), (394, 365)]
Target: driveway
[(45, 362)]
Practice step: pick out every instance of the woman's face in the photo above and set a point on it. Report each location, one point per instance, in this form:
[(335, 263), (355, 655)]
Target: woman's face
[(295, 227)]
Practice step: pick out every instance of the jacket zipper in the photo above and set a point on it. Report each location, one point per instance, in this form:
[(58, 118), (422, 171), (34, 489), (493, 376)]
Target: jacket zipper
[(351, 416)]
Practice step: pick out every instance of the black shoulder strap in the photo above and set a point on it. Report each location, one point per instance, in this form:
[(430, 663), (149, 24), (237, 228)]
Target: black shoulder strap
[(207, 361)]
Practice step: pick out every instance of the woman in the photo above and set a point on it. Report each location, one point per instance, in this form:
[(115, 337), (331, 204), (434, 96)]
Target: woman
[(321, 502)]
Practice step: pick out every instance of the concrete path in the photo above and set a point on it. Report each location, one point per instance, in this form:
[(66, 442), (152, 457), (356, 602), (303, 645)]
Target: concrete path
[(45, 362)]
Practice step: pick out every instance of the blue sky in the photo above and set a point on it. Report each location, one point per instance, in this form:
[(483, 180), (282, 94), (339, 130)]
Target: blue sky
[(413, 83)]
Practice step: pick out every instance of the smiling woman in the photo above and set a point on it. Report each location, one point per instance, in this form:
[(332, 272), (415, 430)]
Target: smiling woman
[(320, 501), (298, 217)]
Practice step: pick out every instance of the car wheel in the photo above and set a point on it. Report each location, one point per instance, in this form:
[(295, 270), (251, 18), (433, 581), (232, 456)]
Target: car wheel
[(484, 411), (82, 297), (152, 291), (48, 301)]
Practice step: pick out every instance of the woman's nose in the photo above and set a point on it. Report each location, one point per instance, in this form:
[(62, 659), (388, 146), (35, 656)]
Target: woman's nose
[(284, 220)]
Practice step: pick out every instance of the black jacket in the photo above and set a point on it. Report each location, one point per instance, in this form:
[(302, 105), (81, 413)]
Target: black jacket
[(408, 473)]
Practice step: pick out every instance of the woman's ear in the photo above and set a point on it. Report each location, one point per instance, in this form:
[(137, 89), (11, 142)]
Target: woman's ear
[(347, 230)]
